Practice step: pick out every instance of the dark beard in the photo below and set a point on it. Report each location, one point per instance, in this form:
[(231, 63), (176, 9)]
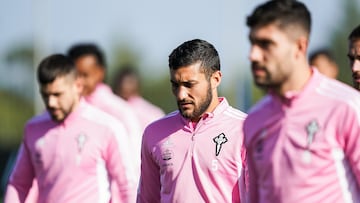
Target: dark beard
[(202, 108)]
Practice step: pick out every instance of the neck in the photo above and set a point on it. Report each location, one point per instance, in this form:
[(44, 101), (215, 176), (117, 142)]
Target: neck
[(296, 80)]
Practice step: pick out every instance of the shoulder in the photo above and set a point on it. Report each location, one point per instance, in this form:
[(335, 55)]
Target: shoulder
[(339, 94), (234, 113), (169, 120), (260, 106), (164, 126), (101, 118), (39, 120)]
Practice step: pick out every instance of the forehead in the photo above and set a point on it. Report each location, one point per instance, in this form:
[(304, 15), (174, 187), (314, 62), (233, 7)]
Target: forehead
[(59, 84), (355, 46), (190, 72), (86, 62), (272, 32)]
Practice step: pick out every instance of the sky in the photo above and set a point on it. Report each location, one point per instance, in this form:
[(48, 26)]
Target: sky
[(152, 28)]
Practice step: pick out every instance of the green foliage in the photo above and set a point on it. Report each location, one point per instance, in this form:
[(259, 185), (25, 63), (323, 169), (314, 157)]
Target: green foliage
[(14, 112), (339, 39), (23, 53), (159, 93)]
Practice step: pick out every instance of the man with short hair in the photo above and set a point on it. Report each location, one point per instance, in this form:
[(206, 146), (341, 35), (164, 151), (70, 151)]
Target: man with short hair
[(323, 60), (354, 56), (194, 154), (90, 63), (74, 150), (302, 138), (127, 86)]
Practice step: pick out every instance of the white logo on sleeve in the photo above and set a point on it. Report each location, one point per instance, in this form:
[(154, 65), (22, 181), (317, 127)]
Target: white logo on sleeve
[(219, 141)]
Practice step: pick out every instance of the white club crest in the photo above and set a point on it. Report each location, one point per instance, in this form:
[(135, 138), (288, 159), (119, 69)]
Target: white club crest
[(219, 141)]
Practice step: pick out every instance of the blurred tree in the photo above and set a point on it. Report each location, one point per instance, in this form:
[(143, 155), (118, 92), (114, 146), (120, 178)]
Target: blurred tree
[(159, 92), (122, 54), (338, 40), (156, 90), (15, 111), (21, 53)]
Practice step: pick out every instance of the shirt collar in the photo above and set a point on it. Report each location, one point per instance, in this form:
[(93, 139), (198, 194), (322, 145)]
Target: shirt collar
[(207, 116), (292, 95)]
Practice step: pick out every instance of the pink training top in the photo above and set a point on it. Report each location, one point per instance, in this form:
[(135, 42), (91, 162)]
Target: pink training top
[(305, 147), (145, 111), (180, 163), (74, 161), (104, 99)]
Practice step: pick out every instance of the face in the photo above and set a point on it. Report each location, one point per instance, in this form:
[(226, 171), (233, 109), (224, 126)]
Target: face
[(127, 87), (61, 96), (271, 56), (325, 66), (194, 93), (90, 72), (354, 59)]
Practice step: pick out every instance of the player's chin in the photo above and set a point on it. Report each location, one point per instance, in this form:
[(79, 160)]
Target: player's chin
[(57, 117), (187, 113)]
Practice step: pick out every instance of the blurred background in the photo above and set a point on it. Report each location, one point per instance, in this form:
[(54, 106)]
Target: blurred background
[(141, 33)]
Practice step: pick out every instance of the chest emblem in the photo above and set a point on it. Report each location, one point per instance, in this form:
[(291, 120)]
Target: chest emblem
[(311, 129), (81, 139), (219, 141)]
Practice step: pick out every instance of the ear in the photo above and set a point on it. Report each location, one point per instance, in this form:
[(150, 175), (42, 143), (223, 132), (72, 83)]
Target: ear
[(302, 44), (79, 84), (101, 74), (215, 79)]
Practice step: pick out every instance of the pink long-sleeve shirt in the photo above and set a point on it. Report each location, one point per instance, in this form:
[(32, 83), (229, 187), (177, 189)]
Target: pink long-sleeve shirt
[(145, 111), (74, 161), (305, 147), (103, 98), (183, 163)]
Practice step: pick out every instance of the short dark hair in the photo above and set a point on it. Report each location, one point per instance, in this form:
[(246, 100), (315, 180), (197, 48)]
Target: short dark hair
[(283, 12), (355, 34), (123, 72), (321, 52), (54, 66), (80, 50), (194, 51)]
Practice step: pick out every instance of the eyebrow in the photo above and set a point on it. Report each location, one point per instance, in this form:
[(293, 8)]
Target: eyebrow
[(353, 57), (189, 81)]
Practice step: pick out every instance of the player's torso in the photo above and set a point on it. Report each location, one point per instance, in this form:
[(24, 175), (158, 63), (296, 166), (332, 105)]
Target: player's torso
[(202, 164), (68, 159), (298, 156)]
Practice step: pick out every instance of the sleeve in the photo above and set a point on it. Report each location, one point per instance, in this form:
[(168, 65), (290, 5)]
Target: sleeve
[(119, 166), (349, 135), (149, 186), (251, 177), (21, 178), (243, 178)]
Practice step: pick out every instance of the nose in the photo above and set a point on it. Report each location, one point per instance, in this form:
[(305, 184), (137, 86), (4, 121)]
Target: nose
[(181, 93), (255, 53), (355, 65), (51, 101)]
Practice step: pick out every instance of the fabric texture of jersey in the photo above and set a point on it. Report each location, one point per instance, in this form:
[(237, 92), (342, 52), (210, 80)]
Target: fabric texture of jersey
[(146, 111), (181, 163), (74, 161), (103, 98), (305, 147)]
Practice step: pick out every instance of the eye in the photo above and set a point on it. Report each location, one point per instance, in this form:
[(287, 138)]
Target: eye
[(265, 44), (174, 85), (351, 57), (188, 85)]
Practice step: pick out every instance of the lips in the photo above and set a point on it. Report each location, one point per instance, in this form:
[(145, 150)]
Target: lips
[(185, 104), (356, 76)]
